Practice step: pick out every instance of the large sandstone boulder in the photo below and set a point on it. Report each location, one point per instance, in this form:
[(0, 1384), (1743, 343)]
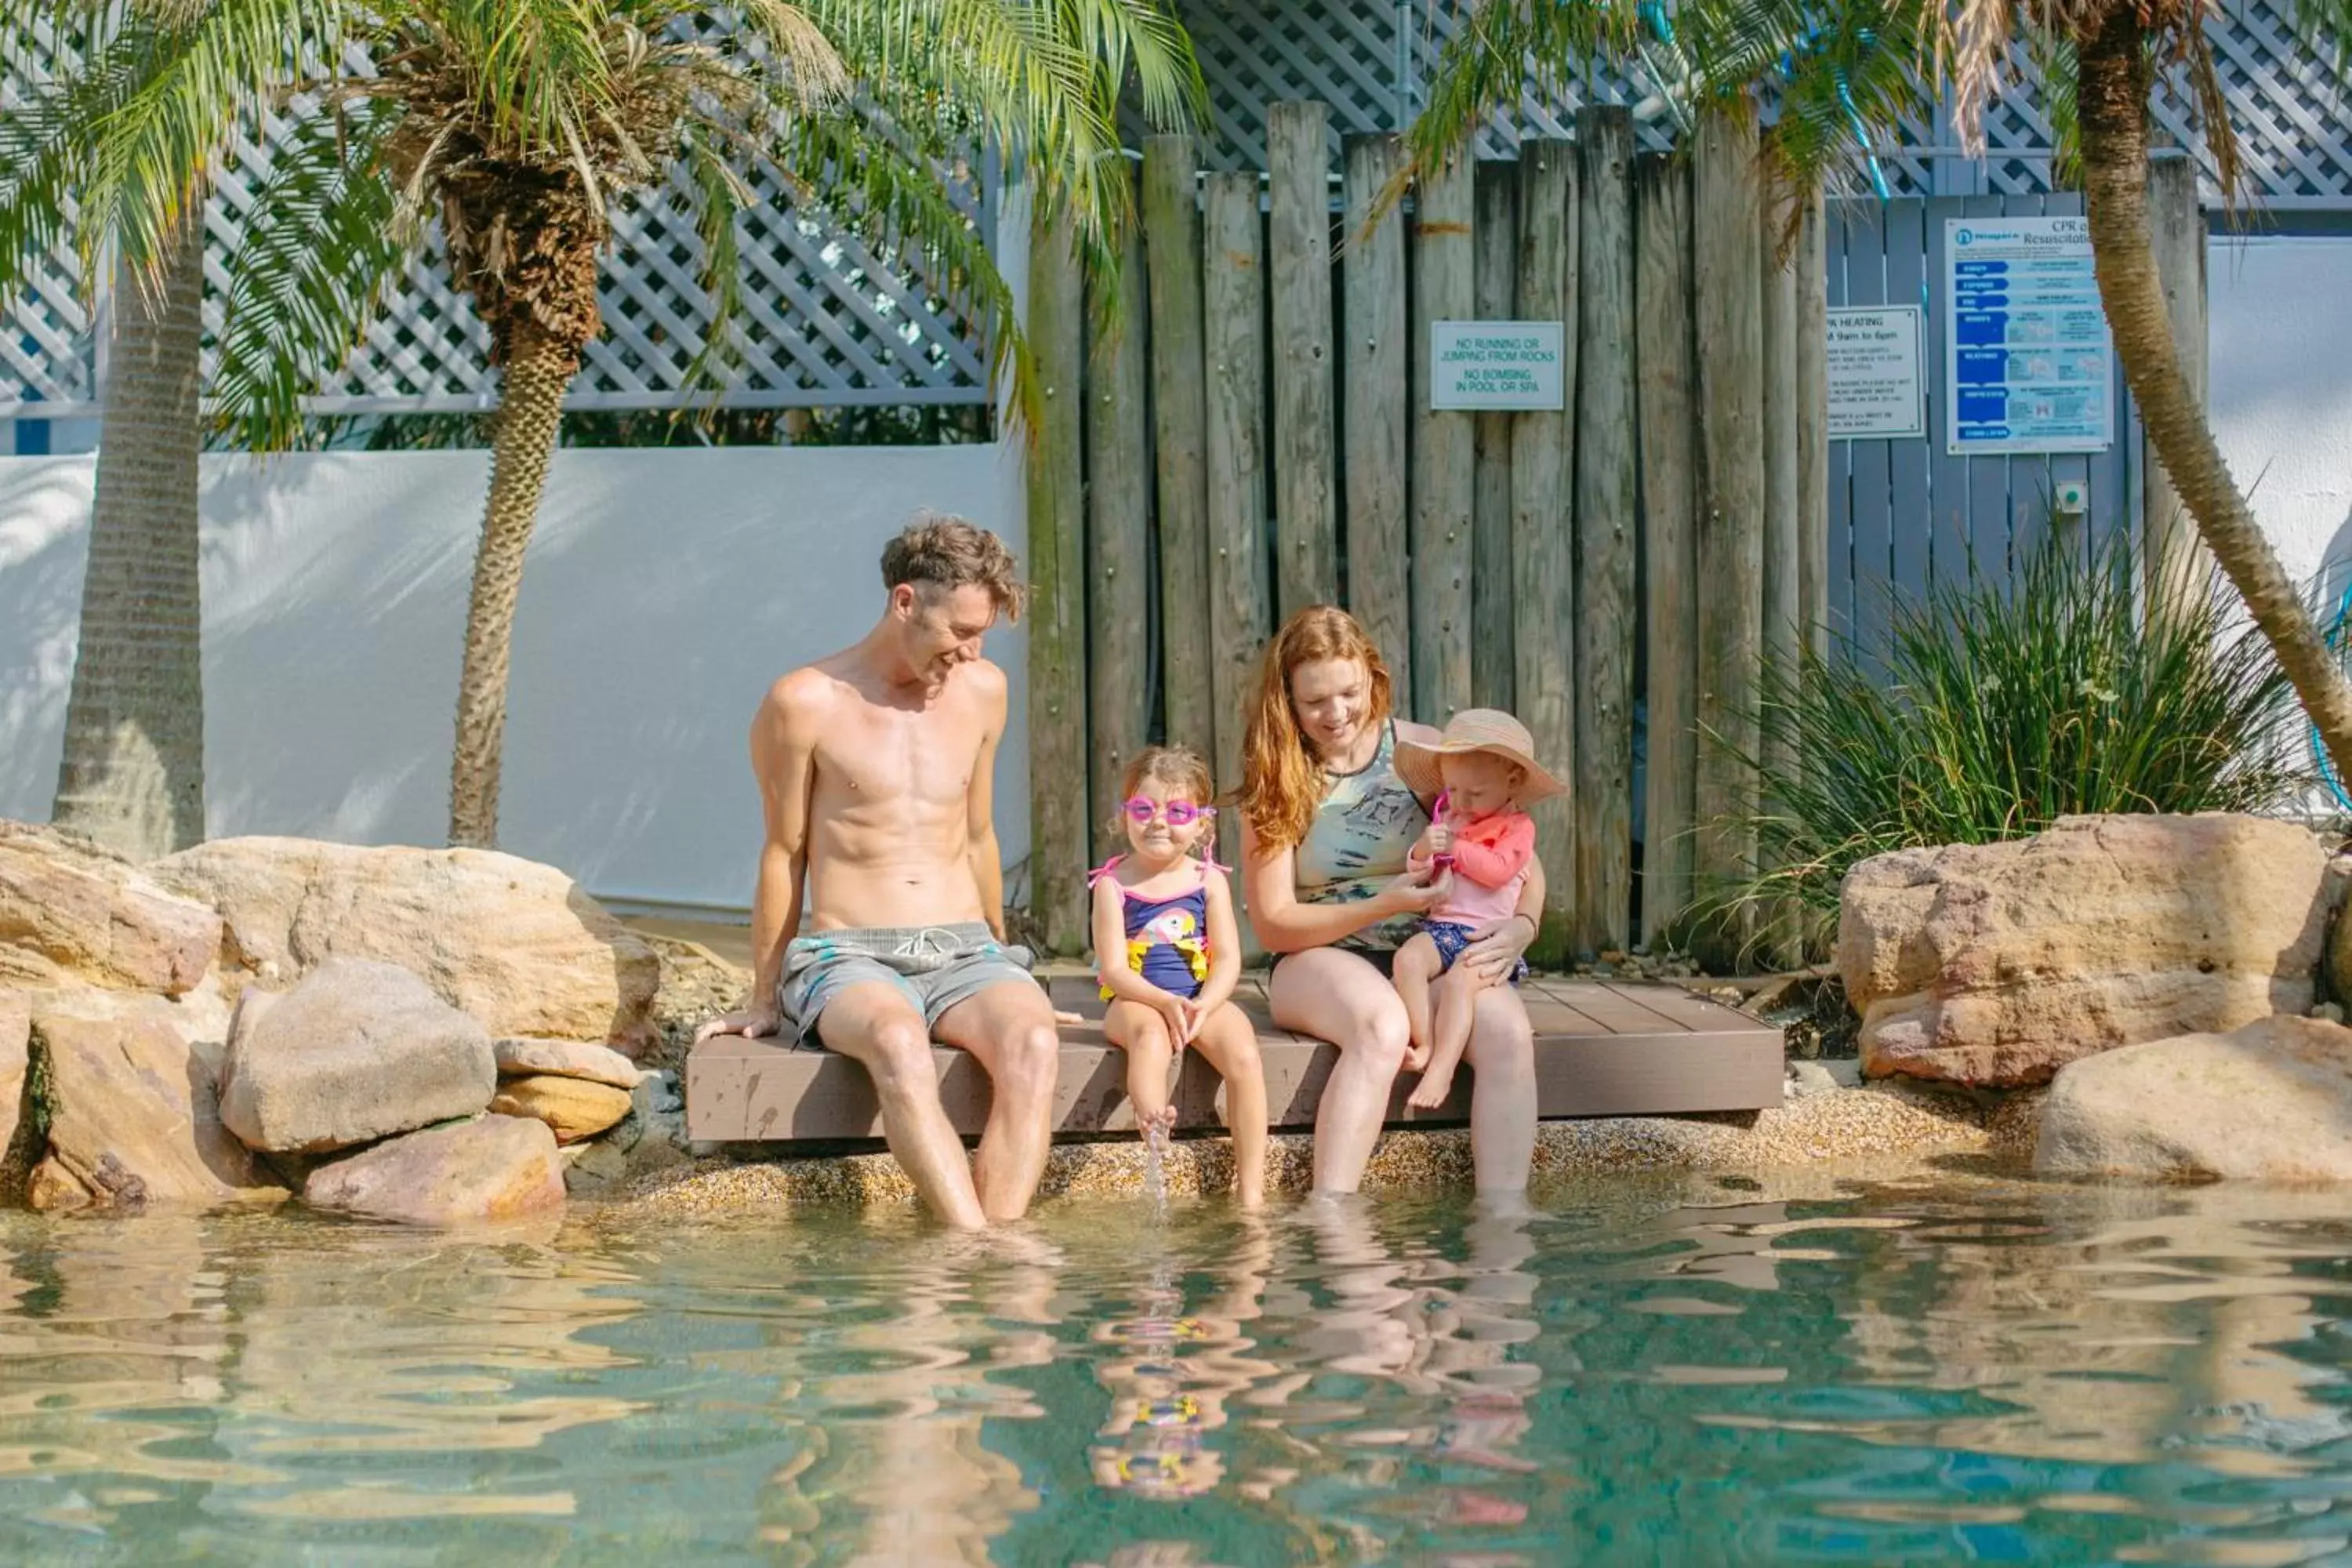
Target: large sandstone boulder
[(2271, 1102), (356, 1051), (1999, 963), (498, 1167), (132, 1120), (515, 943), (573, 1108), (72, 913)]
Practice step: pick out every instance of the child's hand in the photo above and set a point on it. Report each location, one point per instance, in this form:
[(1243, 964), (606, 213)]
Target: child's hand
[(1440, 837)]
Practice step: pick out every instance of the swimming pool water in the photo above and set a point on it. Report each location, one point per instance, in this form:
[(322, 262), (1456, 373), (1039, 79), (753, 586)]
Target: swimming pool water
[(1691, 1371)]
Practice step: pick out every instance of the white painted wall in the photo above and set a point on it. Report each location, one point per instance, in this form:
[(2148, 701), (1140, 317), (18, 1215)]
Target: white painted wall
[(665, 590), (2280, 324)]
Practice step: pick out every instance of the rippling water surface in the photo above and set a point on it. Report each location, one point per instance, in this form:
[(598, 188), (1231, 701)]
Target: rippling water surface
[(1693, 1373)]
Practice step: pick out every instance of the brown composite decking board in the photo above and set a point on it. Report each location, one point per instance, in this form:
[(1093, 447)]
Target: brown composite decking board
[(1602, 1049)]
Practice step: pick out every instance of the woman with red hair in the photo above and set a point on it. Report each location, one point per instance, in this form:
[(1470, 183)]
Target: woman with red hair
[(1327, 826)]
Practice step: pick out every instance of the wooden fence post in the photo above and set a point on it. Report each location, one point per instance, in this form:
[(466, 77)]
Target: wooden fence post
[(1377, 541), (1443, 474), (1813, 427), (1782, 528), (1057, 674), (2175, 565), (1119, 549), (1605, 523), (1819, 928), (1171, 237), (1543, 638), (1240, 598), (1669, 456), (1306, 523), (1497, 264), (1727, 299)]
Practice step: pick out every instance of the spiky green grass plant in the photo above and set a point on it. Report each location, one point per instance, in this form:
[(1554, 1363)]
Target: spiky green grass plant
[(2002, 704)]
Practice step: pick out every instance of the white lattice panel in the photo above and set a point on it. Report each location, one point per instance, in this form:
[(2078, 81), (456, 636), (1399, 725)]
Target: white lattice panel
[(45, 332), (1367, 60), (825, 321)]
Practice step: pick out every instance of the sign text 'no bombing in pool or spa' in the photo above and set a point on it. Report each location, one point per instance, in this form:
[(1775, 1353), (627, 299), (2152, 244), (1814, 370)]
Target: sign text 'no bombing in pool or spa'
[(2028, 364), (1495, 364), (1873, 359)]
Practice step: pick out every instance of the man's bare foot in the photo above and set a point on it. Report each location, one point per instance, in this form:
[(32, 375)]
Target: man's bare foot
[(1431, 1092)]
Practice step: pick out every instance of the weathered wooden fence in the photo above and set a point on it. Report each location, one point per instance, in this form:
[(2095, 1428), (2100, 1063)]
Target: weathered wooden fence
[(1256, 435)]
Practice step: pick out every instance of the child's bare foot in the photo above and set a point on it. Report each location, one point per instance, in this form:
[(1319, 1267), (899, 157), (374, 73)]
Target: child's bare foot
[(1431, 1092), (1415, 1058)]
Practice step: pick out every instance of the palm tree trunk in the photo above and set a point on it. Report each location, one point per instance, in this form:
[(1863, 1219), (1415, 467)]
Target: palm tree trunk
[(2114, 78), (539, 369), (133, 772)]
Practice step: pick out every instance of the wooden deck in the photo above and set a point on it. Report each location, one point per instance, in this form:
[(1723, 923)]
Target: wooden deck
[(1601, 1049)]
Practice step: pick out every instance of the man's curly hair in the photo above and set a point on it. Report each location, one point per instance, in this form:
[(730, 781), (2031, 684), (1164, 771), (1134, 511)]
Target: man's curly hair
[(944, 553)]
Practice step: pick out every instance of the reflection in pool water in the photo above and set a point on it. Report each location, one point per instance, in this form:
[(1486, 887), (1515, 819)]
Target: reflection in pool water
[(1631, 1372)]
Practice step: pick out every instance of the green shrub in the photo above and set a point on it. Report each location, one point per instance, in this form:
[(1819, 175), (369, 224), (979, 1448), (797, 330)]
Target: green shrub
[(2002, 705)]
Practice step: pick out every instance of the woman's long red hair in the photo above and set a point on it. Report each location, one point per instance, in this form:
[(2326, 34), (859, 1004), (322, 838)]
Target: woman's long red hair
[(1282, 779)]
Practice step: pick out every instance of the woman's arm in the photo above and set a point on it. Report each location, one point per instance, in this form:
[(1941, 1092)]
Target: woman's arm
[(1497, 947), (1284, 924), (1224, 946)]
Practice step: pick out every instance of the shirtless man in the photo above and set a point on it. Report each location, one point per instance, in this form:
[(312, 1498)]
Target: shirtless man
[(874, 768)]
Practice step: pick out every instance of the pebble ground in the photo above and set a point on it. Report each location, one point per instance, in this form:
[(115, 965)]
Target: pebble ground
[(1880, 1127)]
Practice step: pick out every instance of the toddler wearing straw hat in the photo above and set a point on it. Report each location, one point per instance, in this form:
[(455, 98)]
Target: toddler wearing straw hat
[(1484, 774)]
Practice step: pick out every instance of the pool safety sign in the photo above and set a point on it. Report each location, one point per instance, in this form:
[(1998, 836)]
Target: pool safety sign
[(2028, 364), (1496, 364), (1874, 355)]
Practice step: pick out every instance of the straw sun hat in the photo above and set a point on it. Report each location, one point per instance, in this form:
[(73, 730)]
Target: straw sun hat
[(1476, 730)]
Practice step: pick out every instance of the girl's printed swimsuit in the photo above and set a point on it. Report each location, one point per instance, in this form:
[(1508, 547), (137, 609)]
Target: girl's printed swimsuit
[(1167, 938)]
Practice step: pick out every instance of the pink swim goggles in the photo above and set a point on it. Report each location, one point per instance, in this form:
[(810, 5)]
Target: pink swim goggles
[(1181, 813)]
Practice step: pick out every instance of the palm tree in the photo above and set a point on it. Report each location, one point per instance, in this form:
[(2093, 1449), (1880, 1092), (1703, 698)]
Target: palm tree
[(1852, 70), (519, 126), (133, 772)]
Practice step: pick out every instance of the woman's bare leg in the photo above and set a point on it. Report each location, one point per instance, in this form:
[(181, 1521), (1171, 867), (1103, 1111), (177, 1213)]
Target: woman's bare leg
[(1142, 1034), (1501, 1057), (1228, 1042), (1340, 997)]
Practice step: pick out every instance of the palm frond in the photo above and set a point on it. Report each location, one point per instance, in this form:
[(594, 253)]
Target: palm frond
[(1041, 77), (45, 156), (1501, 50), (871, 186), (531, 69), (321, 245), (2052, 55), (719, 194), (1848, 79), (191, 84)]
